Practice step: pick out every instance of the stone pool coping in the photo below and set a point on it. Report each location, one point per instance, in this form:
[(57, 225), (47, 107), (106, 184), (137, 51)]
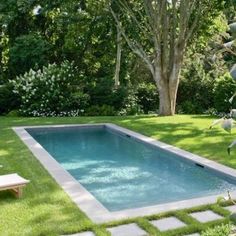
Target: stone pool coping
[(89, 204)]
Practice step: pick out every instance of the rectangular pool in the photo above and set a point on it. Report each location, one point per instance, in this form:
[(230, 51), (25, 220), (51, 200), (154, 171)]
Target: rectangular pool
[(122, 170)]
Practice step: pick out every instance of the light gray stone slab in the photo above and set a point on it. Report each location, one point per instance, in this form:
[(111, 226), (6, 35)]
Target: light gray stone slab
[(168, 223), (232, 209), (206, 216), (89, 233), (127, 230), (196, 234)]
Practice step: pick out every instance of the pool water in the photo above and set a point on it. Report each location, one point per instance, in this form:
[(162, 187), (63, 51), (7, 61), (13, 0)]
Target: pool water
[(123, 173)]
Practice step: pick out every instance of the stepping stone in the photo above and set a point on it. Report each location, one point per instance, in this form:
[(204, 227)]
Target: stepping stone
[(206, 216), (232, 209), (196, 234), (89, 233), (127, 230), (168, 223)]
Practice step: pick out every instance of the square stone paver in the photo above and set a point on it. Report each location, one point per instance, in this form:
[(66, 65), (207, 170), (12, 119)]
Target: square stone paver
[(232, 209), (196, 234), (168, 223), (206, 216), (127, 230), (89, 233)]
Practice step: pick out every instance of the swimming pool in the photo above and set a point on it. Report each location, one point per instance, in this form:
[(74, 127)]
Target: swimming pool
[(122, 171)]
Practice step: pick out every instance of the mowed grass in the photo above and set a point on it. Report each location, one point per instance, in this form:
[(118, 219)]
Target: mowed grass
[(46, 210)]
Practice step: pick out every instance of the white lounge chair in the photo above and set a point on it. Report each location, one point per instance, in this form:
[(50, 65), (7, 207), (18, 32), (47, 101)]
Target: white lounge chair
[(13, 182)]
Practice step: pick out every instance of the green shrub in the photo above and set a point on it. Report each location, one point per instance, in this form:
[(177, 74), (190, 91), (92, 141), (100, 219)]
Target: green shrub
[(8, 100), (220, 230), (104, 110), (147, 97), (79, 100), (102, 92), (224, 88), (195, 95), (51, 91), (197, 81), (131, 106), (188, 107), (28, 52)]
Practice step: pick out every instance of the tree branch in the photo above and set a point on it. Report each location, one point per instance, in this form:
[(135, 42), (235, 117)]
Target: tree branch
[(134, 46)]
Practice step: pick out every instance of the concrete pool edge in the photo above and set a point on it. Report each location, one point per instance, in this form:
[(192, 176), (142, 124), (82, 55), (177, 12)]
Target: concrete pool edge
[(88, 203)]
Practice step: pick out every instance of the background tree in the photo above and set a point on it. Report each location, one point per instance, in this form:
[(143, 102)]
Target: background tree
[(163, 31)]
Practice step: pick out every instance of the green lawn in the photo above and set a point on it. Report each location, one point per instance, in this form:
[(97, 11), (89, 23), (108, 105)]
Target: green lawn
[(46, 210)]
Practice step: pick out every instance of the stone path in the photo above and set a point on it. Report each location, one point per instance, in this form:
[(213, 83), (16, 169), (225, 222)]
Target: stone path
[(197, 234), (127, 230), (205, 216), (82, 234), (168, 223), (232, 209)]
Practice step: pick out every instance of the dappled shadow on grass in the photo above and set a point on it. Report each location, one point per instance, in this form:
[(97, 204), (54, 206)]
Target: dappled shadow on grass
[(44, 208), (54, 209), (192, 136), (7, 197)]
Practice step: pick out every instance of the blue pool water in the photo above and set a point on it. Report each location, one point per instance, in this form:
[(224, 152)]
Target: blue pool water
[(123, 173)]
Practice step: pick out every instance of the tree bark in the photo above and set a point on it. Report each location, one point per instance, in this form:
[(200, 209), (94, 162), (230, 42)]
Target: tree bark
[(164, 101), (118, 58), (167, 85), (167, 97)]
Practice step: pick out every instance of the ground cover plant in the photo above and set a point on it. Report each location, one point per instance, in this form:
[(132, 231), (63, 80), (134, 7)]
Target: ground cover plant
[(46, 210)]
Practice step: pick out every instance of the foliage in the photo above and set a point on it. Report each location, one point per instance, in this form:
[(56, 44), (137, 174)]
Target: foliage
[(47, 92), (85, 33), (195, 93), (126, 100), (224, 88), (147, 97), (220, 230), (28, 52), (82, 32), (104, 110), (102, 92), (8, 100), (131, 106)]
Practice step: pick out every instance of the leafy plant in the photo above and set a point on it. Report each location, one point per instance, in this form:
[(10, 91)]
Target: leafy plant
[(147, 97), (220, 230), (48, 92), (104, 110), (28, 52), (224, 88), (8, 100)]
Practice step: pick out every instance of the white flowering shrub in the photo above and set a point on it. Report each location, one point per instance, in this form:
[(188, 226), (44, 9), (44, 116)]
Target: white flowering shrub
[(48, 92)]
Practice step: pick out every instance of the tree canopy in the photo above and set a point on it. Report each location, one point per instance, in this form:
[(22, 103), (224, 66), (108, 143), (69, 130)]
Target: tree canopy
[(119, 48)]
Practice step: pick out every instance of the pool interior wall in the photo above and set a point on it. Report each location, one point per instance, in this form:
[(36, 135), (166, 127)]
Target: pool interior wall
[(123, 173)]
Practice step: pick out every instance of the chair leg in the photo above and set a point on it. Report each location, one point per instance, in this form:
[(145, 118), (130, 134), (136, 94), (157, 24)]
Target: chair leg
[(17, 192)]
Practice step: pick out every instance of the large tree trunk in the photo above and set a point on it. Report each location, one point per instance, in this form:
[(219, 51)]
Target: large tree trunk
[(164, 101), (167, 89), (118, 58), (167, 98)]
